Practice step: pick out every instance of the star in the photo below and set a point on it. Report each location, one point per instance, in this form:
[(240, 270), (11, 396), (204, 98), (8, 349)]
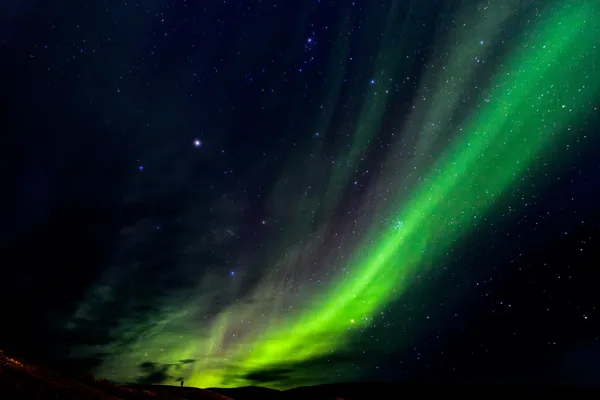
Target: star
[(398, 225), (197, 143)]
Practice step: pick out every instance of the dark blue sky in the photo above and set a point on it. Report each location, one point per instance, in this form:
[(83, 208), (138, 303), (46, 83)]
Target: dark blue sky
[(113, 215)]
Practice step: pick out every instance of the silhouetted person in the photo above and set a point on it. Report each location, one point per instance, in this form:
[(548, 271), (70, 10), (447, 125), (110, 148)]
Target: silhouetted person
[(182, 383)]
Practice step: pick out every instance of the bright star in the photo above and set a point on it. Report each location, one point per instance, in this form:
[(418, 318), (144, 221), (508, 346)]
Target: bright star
[(197, 143)]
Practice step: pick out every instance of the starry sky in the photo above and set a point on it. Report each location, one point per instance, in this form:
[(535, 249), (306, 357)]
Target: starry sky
[(292, 193)]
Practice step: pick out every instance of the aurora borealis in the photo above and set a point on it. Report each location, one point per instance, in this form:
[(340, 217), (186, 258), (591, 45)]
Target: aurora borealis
[(319, 193)]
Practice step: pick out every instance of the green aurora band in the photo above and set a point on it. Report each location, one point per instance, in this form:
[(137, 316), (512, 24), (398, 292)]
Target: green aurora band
[(537, 98), (505, 136)]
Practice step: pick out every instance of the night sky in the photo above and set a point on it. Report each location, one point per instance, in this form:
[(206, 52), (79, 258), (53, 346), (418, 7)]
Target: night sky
[(286, 193)]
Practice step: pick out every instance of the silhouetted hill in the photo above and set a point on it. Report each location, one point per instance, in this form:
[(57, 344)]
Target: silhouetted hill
[(185, 392), (386, 390), (250, 393), (20, 379)]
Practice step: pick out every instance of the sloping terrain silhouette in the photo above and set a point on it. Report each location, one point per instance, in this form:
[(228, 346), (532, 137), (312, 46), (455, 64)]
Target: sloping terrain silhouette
[(20, 379)]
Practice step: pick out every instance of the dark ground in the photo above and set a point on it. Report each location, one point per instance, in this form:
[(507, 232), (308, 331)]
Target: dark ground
[(23, 380)]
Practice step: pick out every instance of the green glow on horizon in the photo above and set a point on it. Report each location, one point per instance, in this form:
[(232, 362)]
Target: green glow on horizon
[(547, 83)]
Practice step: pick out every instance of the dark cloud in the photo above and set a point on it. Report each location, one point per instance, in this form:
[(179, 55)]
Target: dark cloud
[(301, 372), (147, 365), (159, 373), (268, 375), (154, 373)]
